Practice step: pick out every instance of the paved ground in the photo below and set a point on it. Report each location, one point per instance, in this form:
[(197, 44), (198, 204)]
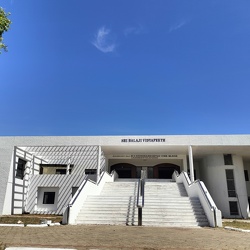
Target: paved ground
[(123, 237)]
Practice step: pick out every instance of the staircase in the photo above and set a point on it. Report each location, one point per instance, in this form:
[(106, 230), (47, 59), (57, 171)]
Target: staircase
[(116, 205), (167, 204)]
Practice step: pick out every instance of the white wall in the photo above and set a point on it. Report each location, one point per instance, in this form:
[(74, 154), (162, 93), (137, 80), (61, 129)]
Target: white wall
[(240, 184), (63, 182), (214, 176), (247, 167), (46, 207)]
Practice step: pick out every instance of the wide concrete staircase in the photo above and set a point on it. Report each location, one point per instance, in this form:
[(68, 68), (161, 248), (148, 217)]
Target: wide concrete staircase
[(116, 205), (167, 204)]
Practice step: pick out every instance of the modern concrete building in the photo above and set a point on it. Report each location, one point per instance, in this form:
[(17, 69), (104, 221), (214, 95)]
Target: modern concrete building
[(64, 175)]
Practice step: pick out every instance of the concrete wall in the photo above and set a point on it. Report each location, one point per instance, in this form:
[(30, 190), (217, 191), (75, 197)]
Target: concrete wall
[(214, 176), (247, 167), (21, 194), (175, 144), (45, 183)]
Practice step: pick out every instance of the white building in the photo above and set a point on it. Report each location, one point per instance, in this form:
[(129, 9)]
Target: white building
[(42, 174)]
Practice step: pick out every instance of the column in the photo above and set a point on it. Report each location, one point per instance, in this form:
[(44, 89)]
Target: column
[(191, 163), (98, 163), (68, 166)]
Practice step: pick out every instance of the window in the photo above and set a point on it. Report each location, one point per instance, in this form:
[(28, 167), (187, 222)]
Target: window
[(90, 171), (228, 160), (49, 198), (20, 169), (61, 171), (246, 175), (230, 183), (74, 189), (233, 206), (55, 168)]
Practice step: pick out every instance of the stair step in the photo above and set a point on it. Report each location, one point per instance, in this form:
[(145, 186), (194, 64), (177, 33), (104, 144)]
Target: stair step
[(166, 203), (176, 224)]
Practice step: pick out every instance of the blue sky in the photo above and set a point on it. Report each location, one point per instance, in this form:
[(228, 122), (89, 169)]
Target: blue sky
[(126, 67)]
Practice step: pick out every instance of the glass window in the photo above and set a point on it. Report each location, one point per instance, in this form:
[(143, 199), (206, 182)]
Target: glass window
[(230, 183), (228, 160), (246, 175), (233, 208), (55, 168), (90, 171), (61, 171), (49, 198)]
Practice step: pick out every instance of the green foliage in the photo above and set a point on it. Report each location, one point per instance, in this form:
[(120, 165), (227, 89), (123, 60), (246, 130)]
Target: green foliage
[(4, 26)]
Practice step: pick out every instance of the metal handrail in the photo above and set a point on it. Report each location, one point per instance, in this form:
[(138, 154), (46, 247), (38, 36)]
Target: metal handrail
[(140, 194)]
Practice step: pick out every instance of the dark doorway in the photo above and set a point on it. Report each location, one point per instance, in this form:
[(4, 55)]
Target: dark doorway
[(124, 170), (165, 170)]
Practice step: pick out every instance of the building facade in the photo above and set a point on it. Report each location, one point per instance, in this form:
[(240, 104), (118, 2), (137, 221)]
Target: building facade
[(42, 174)]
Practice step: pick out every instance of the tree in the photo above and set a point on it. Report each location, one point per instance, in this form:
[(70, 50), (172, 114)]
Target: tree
[(4, 26)]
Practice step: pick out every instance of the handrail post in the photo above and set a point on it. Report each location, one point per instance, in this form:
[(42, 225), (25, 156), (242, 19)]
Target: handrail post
[(139, 216)]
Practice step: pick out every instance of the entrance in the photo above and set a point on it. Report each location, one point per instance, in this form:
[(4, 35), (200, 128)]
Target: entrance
[(160, 171), (148, 170), (124, 170), (165, 170)]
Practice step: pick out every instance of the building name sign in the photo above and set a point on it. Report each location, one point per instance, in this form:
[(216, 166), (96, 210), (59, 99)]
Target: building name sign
[(143, 140), (165, 156)]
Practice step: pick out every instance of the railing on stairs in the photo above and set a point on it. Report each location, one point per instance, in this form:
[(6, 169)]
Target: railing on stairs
[(87, 187), (140, 196), (198, 189)]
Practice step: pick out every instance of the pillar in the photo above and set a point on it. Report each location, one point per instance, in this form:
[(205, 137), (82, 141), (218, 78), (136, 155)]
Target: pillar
[(191, 163), (99, 152)]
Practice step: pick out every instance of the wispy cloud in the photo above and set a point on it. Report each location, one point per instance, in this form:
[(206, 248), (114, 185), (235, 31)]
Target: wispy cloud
[(177, 26), (136, 30), (104, 41)]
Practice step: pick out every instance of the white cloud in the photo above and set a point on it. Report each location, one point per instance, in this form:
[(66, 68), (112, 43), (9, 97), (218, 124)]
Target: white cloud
[(136, 30), (104, 41), (177, 25)]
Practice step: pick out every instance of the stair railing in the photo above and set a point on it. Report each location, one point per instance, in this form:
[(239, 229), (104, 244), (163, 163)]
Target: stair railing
[(140, 196), (88, 186), (198, 189)]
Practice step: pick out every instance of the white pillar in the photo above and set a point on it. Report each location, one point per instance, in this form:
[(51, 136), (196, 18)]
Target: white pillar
[(68, 167), (98, 163), (191, 163), (185, 165)]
